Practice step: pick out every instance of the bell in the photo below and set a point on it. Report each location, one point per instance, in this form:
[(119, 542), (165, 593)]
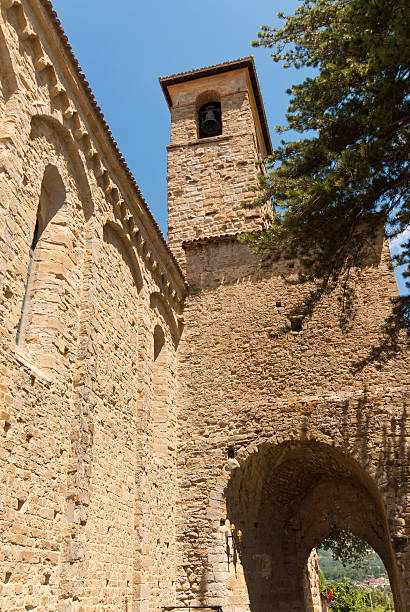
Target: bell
[(210, 125)]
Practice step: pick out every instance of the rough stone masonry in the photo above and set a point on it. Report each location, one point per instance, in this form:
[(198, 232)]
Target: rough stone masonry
[(161, 442)]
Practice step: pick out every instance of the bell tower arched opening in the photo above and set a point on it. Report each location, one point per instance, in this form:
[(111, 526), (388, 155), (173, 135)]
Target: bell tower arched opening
[(210, 120)]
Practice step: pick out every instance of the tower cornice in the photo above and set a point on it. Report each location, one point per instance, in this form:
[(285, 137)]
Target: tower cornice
[(248, 63)]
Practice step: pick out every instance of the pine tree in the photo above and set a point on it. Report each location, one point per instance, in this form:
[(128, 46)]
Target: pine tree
[(349, 171)]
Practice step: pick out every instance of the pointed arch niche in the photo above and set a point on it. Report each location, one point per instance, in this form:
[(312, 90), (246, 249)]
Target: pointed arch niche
[(40, 329)]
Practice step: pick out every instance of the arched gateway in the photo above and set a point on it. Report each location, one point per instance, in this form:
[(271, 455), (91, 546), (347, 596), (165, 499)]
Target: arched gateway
[(285, 499)]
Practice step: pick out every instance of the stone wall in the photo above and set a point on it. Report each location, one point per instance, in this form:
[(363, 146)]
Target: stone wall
[(282, 434), (208, 178), (88, 494), (315, 601)]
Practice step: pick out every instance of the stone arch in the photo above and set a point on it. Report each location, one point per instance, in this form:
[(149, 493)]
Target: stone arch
[(60, 137), (210, 95), (350, 498), (352, 508), (62, 202), (39, 324), (159, 303), (286, 498), (115, 235)]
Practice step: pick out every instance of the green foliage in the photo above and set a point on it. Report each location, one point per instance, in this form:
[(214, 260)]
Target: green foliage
[(332, 190), (334, 570), (379, 599), (348, 599), (322, 581), (347, 548), (346, 560)]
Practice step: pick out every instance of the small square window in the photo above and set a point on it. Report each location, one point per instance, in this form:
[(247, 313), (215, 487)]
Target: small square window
[(296, 324)]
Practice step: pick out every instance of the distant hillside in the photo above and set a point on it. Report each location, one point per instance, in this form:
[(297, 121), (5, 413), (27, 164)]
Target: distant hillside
[(334, 570)]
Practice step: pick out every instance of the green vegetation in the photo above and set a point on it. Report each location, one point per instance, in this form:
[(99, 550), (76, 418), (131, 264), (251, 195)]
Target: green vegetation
[(345, 562), (349, 171), (346, 548), (338, 574), (333, 569), (351, 599)]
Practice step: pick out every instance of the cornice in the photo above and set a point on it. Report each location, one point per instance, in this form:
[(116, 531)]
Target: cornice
[(108, 164), (198, 242)]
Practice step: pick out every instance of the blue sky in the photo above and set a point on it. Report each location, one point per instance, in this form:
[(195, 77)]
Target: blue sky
[(123, 47)]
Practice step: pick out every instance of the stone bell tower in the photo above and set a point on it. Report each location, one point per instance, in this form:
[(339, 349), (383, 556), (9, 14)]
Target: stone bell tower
[(218, 131)]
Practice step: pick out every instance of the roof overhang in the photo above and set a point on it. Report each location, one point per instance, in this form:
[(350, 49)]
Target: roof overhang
[(246, 62)]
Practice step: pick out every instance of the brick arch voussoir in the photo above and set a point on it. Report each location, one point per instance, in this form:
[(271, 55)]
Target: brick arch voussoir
[(345, 502), (245, 452), (210, 95)]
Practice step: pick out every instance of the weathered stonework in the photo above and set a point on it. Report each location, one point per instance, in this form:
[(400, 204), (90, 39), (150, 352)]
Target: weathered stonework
[(315, 445), (142, 409), (315, 601), (88, 491), (281, 433), (208, 178)]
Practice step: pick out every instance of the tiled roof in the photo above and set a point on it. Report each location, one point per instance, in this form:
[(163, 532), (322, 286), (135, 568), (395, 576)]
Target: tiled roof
[(199, 73), (64, 40)]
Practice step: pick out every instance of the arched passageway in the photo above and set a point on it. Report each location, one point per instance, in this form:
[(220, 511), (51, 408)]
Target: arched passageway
[(286, 499)]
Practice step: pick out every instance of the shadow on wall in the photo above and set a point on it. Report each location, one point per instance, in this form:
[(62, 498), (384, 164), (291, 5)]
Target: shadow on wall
[(114, 236), (286, 499), (44, 275), (234, 261)]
